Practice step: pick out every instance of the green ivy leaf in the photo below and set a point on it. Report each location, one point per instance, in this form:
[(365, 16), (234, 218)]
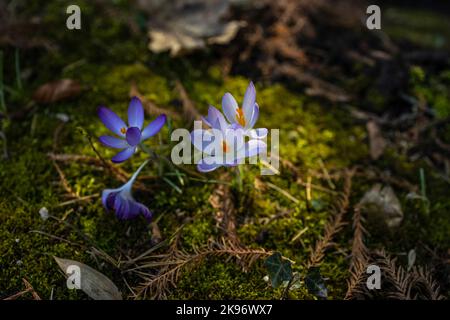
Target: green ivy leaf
[(315, 283), (279, 270)]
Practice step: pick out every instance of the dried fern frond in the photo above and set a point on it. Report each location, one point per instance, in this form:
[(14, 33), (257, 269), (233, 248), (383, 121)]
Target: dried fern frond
[(335, 224), (357, 288), (394, 275), (417, 284), (423, 282), (359, 249), (222, 201), (175, 262), (360, 257)]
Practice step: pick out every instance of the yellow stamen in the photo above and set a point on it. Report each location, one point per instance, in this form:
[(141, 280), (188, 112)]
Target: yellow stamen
[(123, 130), (240, 117)]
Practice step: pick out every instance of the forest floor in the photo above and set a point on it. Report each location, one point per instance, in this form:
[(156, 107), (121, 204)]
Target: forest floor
[(210, 238)]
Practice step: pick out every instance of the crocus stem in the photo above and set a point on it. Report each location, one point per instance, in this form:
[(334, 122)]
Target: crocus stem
[(136, 173), (148, 151), (239, 178), (155, 156), (152, 155)]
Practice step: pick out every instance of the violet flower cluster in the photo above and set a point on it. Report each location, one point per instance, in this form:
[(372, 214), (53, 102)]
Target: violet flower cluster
[(128, 138), (237, 124), (241, 121)]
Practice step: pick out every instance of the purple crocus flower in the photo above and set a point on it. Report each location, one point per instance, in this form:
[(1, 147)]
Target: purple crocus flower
[(129, 136), (223, 143), (247, 115), (121, 201)]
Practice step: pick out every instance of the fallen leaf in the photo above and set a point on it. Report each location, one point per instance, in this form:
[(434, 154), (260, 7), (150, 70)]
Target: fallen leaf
[(279, 270), (315, 283), (95, 284), (376, 141), (382, 202), (57, 91), (155, 233), (184, 25)]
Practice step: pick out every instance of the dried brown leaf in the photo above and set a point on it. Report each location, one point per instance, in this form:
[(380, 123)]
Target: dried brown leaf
[(95, 284), (376, 141), (57, 90)]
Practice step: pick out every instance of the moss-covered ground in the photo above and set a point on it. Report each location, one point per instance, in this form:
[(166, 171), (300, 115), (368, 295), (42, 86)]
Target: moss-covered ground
[(106, 59)]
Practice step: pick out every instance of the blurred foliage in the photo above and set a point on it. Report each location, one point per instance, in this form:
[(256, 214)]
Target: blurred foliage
[(106, 58)]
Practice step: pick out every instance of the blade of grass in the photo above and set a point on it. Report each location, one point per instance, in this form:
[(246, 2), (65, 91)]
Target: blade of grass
[(423, 187), (173, 185)]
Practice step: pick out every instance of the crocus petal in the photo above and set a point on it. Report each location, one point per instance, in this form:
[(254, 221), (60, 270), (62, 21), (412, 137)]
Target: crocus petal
[(135, 113), (133, 136), (110, 199), (121, 207), (145, 212), (112, 121), (254, 147), (105, 195), (117, 207), (259, 133), (123, 155), (201, 138), (234, 138), (215, 119), (207, 164), (113, 142), (255, 116), (206, 121), (134, 209), (211, 116), (229, 106), (154, 127), (221, 124), (249, 101)]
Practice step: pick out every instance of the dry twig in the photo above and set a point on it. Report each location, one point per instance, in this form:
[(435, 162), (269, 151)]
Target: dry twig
[(28, 288)]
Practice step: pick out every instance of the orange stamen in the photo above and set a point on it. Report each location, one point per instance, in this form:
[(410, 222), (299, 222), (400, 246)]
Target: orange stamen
[(123, 130), (224, 147), (240, 117)]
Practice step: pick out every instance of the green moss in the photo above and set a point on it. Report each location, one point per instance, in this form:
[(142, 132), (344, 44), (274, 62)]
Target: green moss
[(203, 282), (310, 132), (432, 89)]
